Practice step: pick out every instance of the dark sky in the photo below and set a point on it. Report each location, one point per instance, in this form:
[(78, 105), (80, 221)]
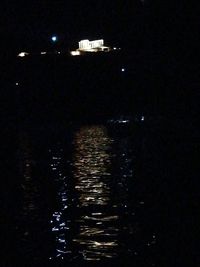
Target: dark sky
[(130, 23), (34, 22)]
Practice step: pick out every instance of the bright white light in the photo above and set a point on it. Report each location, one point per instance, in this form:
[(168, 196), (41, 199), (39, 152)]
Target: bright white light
[(87, 45), (54, 38), (16, 83), (114, 48), (43, 53), (122, 121), (123, 69), (22, 54), (55, 229), (142, 119), (75, 53)]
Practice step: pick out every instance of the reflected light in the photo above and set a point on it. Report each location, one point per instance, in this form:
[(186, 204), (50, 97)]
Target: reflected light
[(98, 231), (60, 227), (91, 162)]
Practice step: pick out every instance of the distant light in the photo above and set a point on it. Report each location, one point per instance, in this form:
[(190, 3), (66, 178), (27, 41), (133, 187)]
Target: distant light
[(43, 53), (122, 121), (75, 53), (23, 54), (123, 69), (88, 45), (142, 119), (54, 38), (17, 83), (114, 48)]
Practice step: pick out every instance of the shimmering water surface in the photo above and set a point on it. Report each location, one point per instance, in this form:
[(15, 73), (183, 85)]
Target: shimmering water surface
[(84, 197)]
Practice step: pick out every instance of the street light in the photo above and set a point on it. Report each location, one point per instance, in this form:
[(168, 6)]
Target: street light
[(54, 38)]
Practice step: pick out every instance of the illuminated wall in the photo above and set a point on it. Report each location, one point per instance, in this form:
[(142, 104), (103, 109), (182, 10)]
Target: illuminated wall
[(87, 45)]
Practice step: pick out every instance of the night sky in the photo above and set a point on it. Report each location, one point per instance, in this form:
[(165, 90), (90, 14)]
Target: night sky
[(167, 29), (31, 24)]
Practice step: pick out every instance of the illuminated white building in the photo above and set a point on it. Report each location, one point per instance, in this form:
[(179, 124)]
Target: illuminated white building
[(90, 46)]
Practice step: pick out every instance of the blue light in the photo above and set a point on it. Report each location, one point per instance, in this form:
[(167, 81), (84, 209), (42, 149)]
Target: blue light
[(54, 38)]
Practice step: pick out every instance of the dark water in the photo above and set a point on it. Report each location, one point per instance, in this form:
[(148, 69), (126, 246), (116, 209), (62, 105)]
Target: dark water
[(81, 196), (79, 188)]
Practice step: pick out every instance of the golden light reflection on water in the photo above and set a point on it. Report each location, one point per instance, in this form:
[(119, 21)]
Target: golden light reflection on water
[(98, 231), (92, 217), (91, 164)]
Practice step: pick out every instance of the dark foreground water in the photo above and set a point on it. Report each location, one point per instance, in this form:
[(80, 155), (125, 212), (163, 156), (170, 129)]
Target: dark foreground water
[(96, 193), (82, 194), (99, 194)]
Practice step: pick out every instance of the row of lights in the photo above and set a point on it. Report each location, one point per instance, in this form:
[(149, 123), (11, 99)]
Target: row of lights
[(54, 39), (73, 53)]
